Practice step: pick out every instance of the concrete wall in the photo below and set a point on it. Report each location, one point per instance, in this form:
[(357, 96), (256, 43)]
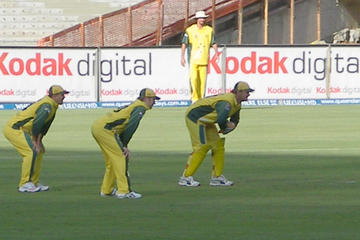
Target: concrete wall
[(333, 19)]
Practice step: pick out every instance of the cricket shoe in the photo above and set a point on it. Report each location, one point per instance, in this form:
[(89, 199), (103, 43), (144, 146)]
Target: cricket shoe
[(43, 188), (220, 181), (113, 193), (29, 187), (130, 195), (188, 182)]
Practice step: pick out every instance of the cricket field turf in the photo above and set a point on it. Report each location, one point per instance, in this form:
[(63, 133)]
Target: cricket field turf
[(296, 172)]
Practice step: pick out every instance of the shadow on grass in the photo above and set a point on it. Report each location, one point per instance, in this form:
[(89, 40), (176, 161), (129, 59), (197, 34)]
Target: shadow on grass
[(167, 166), (267, 186)]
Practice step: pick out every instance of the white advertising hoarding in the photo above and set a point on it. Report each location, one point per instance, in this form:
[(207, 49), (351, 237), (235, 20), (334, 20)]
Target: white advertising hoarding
[(345, 75), (27, 73), (124, 72), (118, 74), (275, 72)]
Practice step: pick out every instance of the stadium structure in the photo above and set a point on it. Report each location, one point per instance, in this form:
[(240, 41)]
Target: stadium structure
[(90, 23)]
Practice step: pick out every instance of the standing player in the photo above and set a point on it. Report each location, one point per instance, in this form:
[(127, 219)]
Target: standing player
[(198, 38), (26, 130), (200, 119), (113, 132)]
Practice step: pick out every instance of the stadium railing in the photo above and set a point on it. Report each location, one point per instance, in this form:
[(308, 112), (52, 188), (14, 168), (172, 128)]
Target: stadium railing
[(144, 24)]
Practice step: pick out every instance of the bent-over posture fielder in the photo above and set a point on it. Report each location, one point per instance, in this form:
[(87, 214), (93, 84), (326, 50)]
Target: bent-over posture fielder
[(26, 130), (113, 132), (200, 119)]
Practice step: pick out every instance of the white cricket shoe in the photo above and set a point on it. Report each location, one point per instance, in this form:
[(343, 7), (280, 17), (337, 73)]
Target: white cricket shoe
[(188, 182), (220, 181), (113, 193), (131, 195), (29, 187), (43, 187)]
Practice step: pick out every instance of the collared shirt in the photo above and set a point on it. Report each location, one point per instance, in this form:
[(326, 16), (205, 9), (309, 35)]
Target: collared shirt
[(124, 121), (215, 109), (36, 118), (198, 41)]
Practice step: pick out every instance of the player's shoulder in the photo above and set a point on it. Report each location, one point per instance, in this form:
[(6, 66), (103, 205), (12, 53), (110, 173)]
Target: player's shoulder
[(44, 107), (208, 28), (191, 28)]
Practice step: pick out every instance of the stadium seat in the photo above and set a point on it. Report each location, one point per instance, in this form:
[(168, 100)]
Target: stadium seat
[(24, 22)]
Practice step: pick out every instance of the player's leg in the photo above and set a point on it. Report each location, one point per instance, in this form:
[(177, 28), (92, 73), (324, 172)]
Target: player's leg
[(197, 133), (195, 83), (217, 149), (108, 183), (37, 168), (120, 166), (118, 161), (101, 137), (202, 69), (218, 156), (195, 159), (23, 144)]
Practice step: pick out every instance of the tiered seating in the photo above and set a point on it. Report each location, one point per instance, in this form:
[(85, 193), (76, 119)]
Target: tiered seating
[(118, 3), (24, 22)]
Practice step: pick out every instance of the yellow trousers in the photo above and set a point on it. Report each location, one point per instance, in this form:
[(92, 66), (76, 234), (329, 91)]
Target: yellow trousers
[(203, 138), (116, 164), (31, 164), (198, 74)]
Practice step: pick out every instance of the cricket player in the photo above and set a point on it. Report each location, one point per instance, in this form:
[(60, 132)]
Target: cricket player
[(200, 119), (198, 38), (113, 132), (26, 130)]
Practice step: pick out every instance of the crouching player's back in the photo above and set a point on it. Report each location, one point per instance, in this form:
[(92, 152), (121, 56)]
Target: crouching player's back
[(113, 132)]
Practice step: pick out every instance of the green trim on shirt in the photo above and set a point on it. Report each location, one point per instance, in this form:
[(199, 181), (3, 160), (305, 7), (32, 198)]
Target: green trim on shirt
[(19, 124), (134, 120), (39, 125), (111, 125), (222, 109), (198, 112), (235, 117)]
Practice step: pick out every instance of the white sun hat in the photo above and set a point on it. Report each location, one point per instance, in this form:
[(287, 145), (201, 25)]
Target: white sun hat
[(200, 14)]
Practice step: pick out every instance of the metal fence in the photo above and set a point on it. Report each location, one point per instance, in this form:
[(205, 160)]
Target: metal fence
[(144, 24)]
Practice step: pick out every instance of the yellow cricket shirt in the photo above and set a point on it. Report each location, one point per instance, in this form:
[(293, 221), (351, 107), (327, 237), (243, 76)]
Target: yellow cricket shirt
[(36, 118), (199, 41), (215, 109)]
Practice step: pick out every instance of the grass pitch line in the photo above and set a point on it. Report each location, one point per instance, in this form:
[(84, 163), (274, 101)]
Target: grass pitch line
[(300, 149)]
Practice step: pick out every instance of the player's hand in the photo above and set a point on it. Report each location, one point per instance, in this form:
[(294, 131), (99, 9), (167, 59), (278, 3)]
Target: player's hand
[(126, 152), (42, 147), (36, 147), (183, 61), (230, 126), (217, 57)]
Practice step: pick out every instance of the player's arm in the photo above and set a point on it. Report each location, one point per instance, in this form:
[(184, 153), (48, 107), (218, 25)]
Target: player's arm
[(223, 110), (40, 127), (184, 43), (214, 45), (47, 126), (235, 118), (133, 123)]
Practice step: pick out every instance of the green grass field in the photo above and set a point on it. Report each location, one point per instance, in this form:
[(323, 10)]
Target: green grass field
[(296, 174)]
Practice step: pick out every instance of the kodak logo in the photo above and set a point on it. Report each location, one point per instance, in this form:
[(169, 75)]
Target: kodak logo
[(251, 64), (35, 66)]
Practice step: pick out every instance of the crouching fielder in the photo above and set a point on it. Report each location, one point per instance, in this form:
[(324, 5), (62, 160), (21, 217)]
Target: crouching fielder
[(200, 120), (26, 131), (113, 132)]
